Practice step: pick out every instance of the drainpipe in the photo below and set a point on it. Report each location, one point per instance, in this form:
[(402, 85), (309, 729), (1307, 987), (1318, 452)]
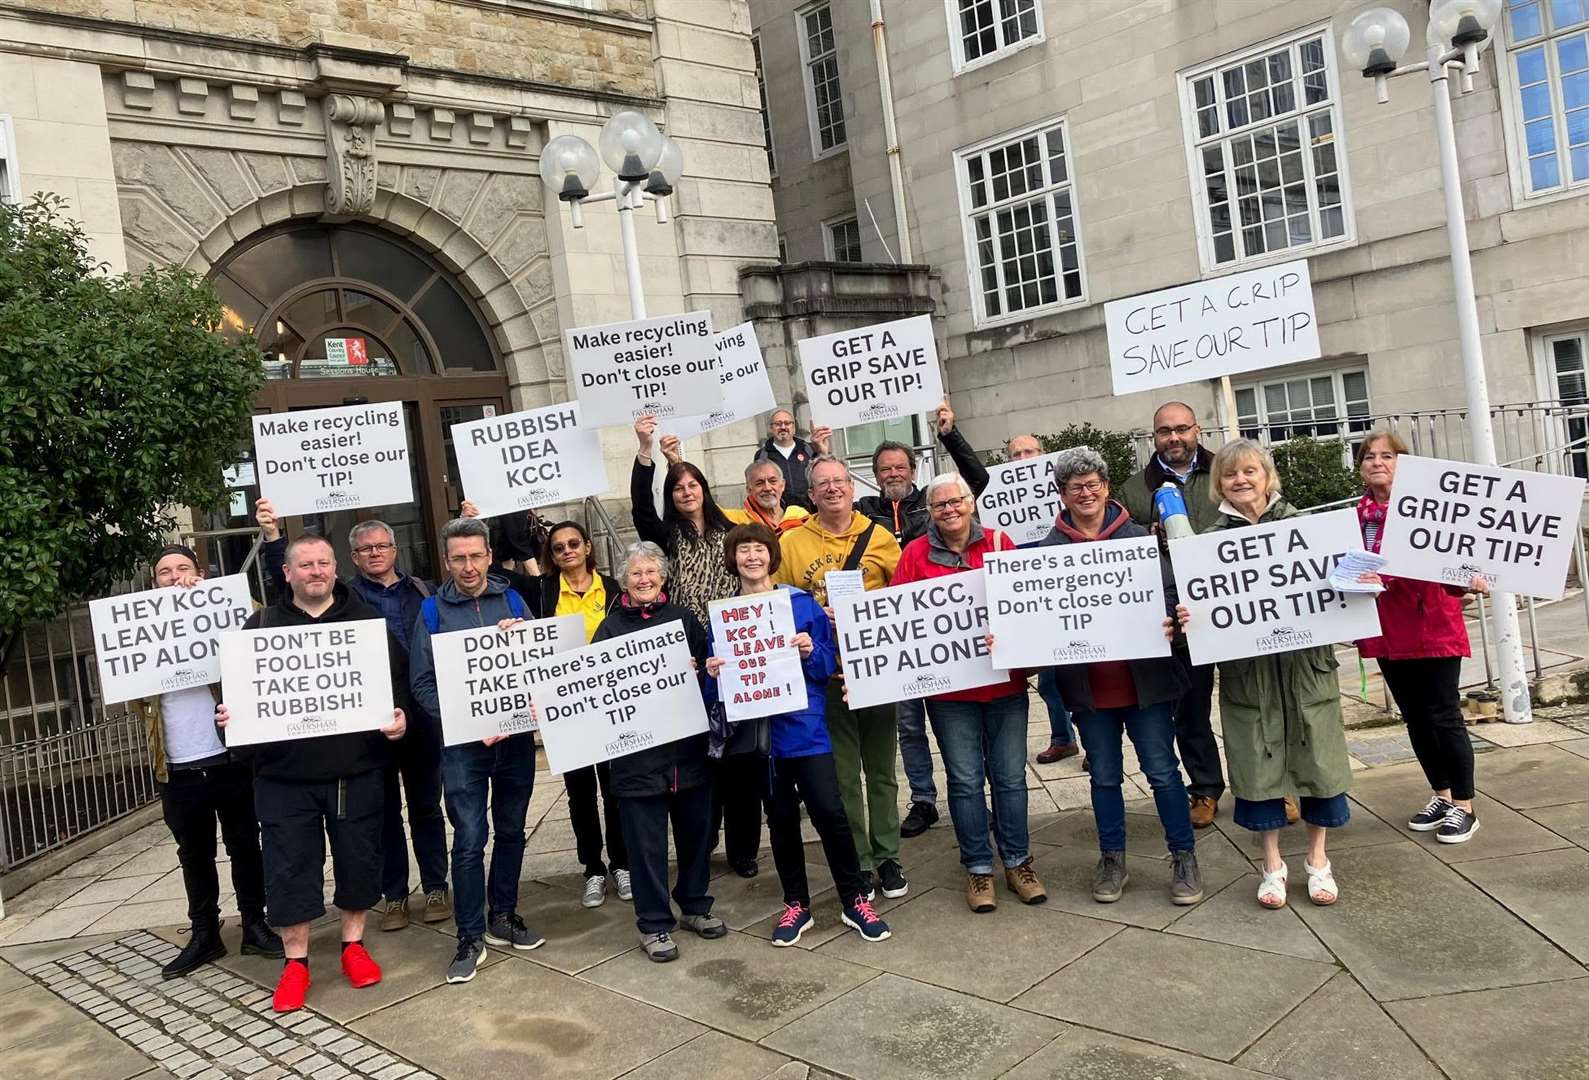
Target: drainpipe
[(896, 176)]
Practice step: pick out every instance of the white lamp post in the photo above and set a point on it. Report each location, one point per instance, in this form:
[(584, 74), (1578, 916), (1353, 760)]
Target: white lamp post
[(1374, 43), (645, 164)]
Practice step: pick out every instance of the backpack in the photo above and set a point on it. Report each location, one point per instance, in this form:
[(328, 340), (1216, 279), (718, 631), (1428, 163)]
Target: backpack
[(432, 617)]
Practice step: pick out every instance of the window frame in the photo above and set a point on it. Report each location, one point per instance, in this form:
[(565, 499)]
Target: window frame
[(979, 315), (830, 249), (1512, 126), (1256, 381), (12, 192), (1193, 145), (957, 58), (1564, 428), (809, 84), (766, 105)]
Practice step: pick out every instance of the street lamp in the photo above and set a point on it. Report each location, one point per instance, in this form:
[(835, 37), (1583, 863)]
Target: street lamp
[(1374, 43), (646, 164)]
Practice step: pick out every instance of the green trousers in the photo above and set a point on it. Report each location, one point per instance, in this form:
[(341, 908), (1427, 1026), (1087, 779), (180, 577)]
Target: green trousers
[(866, 742)]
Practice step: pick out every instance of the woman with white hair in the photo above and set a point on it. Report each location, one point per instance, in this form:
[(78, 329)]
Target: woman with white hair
[(981, 732)]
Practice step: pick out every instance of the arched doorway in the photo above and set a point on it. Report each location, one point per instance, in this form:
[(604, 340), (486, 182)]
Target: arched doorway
[(347, 314)]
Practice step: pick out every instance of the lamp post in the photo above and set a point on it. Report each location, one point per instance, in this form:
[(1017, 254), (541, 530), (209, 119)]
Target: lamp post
[(645, 164), (1374, 43)]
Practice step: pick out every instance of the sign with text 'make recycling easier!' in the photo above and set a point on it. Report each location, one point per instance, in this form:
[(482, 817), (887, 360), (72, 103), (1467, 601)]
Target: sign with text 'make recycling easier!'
[(878, 372), (662, 367), (333, 459)]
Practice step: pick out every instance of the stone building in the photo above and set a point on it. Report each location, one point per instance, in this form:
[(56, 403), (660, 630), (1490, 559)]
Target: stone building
[(367, 169)]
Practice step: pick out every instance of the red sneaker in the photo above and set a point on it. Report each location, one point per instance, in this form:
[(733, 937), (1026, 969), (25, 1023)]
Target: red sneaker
[(291, 988), (360, 968)]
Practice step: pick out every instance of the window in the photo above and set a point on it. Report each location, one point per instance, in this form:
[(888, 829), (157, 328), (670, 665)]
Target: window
[(766, 117), (1264, 151), (10, 171), (824, 99), (1547, 62), (982, 30), (1022, 239), (783, 248), (842, 240), (1565, 358), (1326, 405)]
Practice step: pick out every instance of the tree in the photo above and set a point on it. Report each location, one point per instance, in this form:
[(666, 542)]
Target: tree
[(119, 399), (1313, 472), (1117, 447)]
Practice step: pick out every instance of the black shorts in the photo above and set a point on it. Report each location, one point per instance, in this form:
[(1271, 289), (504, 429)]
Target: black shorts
[(294, 821)]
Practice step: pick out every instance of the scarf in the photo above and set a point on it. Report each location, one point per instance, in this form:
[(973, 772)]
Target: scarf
[(645, 610), (1371, 518)]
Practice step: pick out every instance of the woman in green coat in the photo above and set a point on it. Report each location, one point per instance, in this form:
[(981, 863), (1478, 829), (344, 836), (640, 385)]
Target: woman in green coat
[(1281, 712)]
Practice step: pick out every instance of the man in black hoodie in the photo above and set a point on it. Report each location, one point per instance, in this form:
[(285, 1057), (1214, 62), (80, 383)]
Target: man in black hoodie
[(791, 455), (311, 788)]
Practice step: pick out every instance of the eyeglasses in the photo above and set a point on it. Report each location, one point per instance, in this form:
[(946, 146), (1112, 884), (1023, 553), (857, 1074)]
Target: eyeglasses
[(1179, 432), (572, 545), (947, 504), (374, 549), (1090, 487), (473, 558), (830, 485)]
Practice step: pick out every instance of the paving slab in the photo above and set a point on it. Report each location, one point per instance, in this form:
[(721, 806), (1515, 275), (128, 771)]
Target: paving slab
[(1532, 734), (1524, 1033), (1140, 985), (60, 923), (521, 1019), (1396, 793), (1234, 916), (938, 940), (81, 1051), (29, 955), (576, 937), (1078, 828), (30, 1012), (1363, 829), (714, 1055), (1547, 890), (899, 1029), (742, 902), (1393, 928), (1534, 776), (1575, 746), (44, 896), (1080, 1054), (1339, 1033), (738, 984), (137, 915), (12, 978), (1569, 821)]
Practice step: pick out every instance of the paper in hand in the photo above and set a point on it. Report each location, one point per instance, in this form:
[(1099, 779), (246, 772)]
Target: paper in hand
[(1352, 565)]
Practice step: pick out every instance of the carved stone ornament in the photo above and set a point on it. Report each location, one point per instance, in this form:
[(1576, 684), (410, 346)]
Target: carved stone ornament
[(350, 152)]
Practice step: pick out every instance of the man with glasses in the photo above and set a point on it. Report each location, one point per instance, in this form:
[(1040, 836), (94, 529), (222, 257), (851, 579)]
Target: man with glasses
[(1180, 458), (792, 456)]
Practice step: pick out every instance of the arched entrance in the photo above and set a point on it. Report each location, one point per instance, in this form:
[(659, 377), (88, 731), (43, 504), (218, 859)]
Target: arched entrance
[(347, 314)]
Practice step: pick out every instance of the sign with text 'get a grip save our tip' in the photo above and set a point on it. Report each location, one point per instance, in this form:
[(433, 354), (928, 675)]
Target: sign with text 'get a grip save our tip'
[(879, 372), (662, 367), (527, 459), (318, 460)]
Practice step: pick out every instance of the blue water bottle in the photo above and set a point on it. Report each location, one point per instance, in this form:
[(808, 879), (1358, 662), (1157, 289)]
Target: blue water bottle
[(1170, 505)]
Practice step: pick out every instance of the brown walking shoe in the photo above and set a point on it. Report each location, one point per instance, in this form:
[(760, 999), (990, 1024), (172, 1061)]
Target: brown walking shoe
[(979, 893), (438, 908), (1057, 752), (395, 914), (1204, 810), (1023, 882)]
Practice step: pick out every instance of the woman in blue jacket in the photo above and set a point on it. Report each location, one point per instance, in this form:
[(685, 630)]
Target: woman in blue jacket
[(800, 758)]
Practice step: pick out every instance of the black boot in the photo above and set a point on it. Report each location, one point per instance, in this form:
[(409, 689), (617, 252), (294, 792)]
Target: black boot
[(203, 946), (261, 940)]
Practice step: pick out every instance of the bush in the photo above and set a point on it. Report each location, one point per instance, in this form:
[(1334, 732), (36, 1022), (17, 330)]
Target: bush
[(1117, 447), (1314, 472)]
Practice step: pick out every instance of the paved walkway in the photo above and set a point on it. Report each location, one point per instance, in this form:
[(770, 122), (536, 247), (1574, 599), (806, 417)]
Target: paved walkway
[(1462, 962)]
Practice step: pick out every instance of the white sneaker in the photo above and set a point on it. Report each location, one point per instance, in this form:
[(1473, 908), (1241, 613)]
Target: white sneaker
[(595, 891), (625, 889)]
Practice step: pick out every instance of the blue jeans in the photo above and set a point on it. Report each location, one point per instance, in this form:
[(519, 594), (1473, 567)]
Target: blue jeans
[(1152, 732), (1267, 815), (985, 739), (1059, 730), (474, 774), (913, 750)]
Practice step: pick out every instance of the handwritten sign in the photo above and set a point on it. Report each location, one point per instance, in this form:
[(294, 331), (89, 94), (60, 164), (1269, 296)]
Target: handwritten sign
[(1021, 498), (527, 459), (480, 675), (153, 642), (742, 373), (761, 674), (333, 459), (663, 367), (302, 682), (878, 372)]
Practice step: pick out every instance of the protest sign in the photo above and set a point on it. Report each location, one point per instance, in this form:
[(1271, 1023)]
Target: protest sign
[(663, 367), (480, 675), (1449, 521), (1076, 603), (526, 459), (617, 696), (878, 372), (1021, 498), (1265, 588), (761, 674), (1206, 329), (841, 583), (916, 640), (742, 373), (152, 642), (333, 459), (301, 682)]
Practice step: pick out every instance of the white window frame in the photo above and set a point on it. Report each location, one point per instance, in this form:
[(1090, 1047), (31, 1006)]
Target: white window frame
[(1194, 164), (12, 192), (957, 41), (1512, 128), (766, 105), (979, 313), (1257, 380), (843, 145), (830, 249), (1564, 427)]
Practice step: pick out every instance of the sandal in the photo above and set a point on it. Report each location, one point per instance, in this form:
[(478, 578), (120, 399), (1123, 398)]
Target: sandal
[(1322, 889), (1272, 888)]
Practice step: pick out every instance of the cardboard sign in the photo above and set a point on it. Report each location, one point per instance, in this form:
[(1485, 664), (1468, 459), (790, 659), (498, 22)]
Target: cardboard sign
[(761, 673), (152, 642), (333, 459), (662, 367), (1205, 329), (742, 373), (1021, 498), (1449, 521), (527, 459), (616, 697), (1076, 603), (1265, 588), (480, 675), (916, 640), (878, 372), (303, 682)]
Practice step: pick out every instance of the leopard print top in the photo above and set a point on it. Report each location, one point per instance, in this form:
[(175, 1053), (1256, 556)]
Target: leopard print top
[(699, 573)]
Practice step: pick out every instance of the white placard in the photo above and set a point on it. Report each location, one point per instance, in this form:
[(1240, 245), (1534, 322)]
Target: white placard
[(1265, 588), (333, 459), (842, 583), (303, 682), (148, 643), (879, 372), (1021, 499), (1076, 603), (916, 640), (1205, 329), (761, 673), (616, 697), (742, 373), (480, 675), (664, 367), (527, 459), (1449, 520)]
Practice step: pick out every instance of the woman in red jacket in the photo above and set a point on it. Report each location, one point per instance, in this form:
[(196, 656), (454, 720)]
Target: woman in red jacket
[(1423, 638)]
